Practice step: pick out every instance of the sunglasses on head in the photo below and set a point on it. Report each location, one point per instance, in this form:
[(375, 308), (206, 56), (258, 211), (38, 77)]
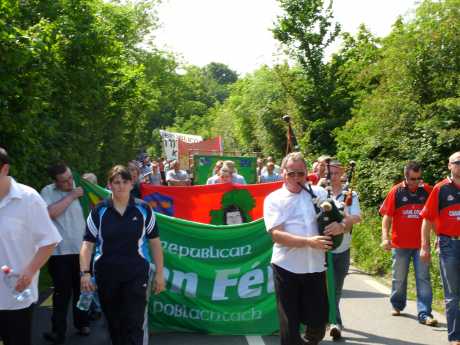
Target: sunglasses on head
[(455, 162), (295, 173)]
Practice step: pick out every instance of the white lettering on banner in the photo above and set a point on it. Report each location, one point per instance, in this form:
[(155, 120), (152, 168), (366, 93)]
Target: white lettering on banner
[(184, 312), (190, 279), (248, 285), (206, 253), (179, 278), (249, 279), (222, 282), (454, 213)]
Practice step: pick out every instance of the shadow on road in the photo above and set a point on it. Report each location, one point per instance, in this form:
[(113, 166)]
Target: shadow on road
[(362, 294)]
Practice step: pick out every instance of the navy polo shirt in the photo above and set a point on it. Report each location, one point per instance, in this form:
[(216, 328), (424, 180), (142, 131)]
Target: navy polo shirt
[(121, 240)]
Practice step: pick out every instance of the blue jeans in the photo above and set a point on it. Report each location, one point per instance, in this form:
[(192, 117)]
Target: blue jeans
[(449, 262), (341, 265), (401, 262)]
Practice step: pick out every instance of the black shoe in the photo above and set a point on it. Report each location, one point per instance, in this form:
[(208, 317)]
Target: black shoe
[(85, 331), (54, 338)]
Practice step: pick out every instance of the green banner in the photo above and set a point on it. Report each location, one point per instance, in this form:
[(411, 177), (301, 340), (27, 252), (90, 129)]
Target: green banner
[(204, 165), (218, 279)]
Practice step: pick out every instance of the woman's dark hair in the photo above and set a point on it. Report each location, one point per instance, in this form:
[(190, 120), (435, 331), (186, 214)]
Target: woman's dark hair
[(57, 169), (119, 170)]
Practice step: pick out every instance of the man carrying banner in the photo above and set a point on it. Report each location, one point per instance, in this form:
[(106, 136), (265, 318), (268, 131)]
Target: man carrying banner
[(66, 212), (298, 258)]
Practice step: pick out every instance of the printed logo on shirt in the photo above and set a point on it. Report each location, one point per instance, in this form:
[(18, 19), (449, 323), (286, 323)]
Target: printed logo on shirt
[(405, 198), (450, 197), (134, 218)]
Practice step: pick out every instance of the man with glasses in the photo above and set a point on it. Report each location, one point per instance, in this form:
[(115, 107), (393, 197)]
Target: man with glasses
[(65, 210), (401, 213), (442, 213), (298, 259)]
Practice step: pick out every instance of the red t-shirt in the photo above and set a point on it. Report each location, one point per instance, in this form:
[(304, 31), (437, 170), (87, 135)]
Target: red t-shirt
[(313, 178), (443, 208), (404, 207)]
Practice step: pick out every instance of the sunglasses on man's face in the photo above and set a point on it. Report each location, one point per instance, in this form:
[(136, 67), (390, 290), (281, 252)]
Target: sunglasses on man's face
[(293, 173), (455, 162), (414, 178)]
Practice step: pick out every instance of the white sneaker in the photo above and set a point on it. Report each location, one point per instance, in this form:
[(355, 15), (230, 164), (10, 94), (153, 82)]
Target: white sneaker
[(335, 331)]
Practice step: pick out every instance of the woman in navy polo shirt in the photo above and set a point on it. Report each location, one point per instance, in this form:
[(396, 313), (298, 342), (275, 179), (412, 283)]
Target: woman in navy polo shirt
[(121, 229)]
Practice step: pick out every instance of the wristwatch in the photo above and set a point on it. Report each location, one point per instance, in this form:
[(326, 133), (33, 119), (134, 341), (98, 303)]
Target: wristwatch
[(82, 273)]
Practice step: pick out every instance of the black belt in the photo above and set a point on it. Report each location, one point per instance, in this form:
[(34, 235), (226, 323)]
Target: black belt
[(455, 238)]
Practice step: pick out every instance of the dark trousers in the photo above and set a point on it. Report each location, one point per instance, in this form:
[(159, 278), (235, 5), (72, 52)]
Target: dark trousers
[(65, 273), (123, 303), (16, 326), (341, 262), (301, 298)]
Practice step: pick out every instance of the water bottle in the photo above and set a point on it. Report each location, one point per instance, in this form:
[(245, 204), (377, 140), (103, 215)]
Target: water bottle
[(10, 278), (86, 297)]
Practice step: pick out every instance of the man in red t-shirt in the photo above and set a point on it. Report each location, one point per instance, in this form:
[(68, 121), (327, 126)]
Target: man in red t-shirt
[(442, 213), (401, 212)]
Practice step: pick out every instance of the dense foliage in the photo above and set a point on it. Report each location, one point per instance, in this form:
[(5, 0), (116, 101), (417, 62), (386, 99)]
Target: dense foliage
[(75, 85)]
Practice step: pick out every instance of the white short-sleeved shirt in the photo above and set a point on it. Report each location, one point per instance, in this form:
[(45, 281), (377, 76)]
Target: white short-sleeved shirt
[(25, 226), (295, 211), (353, 210), (180, 175), (70, 223)]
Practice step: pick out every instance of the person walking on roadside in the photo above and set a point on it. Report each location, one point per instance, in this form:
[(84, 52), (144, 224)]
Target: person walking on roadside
[(27, 239), (298, 258), (62, 198), (401, 216), (442, 214), (341, 254), (121, 228)]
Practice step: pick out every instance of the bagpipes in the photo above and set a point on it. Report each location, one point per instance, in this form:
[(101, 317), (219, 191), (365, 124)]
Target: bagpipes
[(327, 212), (349, 184)]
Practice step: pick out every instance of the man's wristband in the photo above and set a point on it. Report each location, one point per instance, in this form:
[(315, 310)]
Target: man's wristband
[(82, 273)]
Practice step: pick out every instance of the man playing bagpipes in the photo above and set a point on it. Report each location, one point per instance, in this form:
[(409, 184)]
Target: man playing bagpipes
[(298, 258), (347, 203)]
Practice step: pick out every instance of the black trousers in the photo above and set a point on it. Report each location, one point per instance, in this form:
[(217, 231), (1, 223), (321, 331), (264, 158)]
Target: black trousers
[(65, 273), (301, 298), (16, 326), (123, 303)]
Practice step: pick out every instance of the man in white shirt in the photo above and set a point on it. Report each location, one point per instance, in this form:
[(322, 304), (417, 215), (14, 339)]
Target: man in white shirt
[(27, 239), (65, 210), (298, 258), (176, 176)]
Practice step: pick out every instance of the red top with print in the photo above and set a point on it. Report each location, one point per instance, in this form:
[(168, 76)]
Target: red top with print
[(404, 207), (443, 208)]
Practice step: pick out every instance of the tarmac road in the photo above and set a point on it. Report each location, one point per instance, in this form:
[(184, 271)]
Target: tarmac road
[(366, 313)]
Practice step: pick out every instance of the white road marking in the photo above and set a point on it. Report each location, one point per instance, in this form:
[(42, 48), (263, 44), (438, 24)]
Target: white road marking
[(379, 287), (254, 340)]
